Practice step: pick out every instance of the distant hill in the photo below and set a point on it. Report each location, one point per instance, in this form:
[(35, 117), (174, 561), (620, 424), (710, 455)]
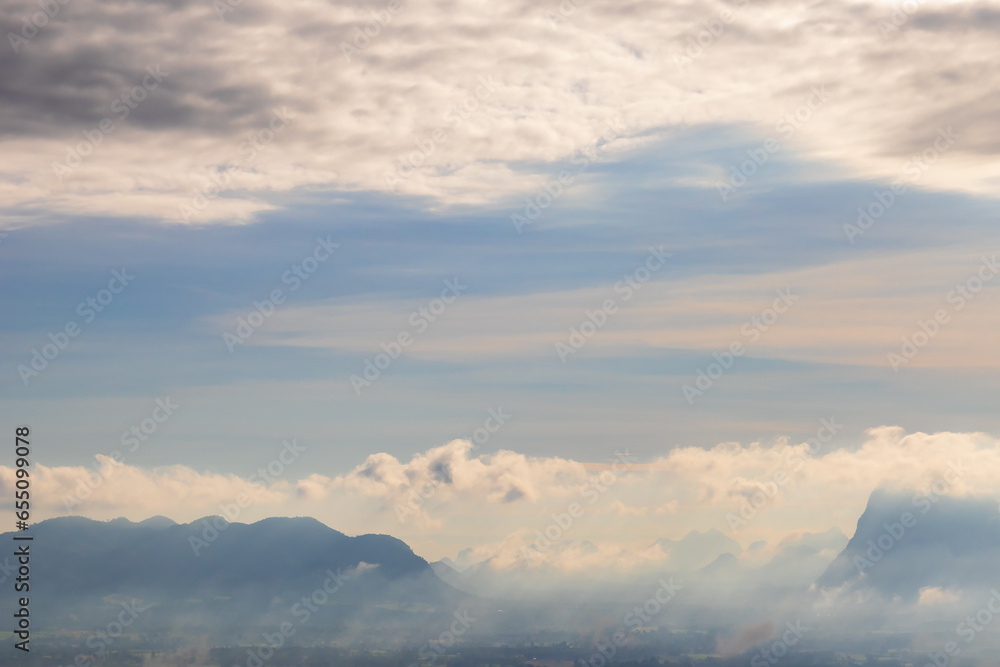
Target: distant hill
[(242, 576), (697, 549)]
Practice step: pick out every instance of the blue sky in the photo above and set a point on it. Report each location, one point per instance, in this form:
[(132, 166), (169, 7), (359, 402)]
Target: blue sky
[(163, 334), (275, 147)]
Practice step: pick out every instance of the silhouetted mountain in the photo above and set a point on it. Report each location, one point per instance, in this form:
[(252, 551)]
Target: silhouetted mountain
[(210, 572), (726, 565), (447, 573), (906, 542), (802, 558), (696, 549)]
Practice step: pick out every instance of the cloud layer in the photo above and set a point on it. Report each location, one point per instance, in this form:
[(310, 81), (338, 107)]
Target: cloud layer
[(450, 497), (470, 93)]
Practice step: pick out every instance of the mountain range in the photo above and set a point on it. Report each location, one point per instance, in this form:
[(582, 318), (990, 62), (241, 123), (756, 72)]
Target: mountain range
[(233, 581)]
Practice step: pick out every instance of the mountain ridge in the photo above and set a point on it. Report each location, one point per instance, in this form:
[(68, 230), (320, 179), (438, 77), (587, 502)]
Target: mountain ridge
[(211, 571)]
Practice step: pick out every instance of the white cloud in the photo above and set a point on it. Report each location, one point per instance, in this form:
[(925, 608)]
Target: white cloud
[(554, 90), (686, 489), (936, 595)]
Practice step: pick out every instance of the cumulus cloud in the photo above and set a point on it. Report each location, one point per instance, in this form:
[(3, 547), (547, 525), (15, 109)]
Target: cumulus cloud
[(619, 508), (930, 595), (453, 493), (109, 488), (448, 473), (469, 92), (313, 487)]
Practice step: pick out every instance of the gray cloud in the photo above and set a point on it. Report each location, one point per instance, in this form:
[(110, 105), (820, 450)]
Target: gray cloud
[(556, 86)]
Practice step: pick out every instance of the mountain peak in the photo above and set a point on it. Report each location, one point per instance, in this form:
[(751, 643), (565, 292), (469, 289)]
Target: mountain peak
[(908, 541)]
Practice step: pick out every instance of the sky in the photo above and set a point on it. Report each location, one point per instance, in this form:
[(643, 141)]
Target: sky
[(495, 249)]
